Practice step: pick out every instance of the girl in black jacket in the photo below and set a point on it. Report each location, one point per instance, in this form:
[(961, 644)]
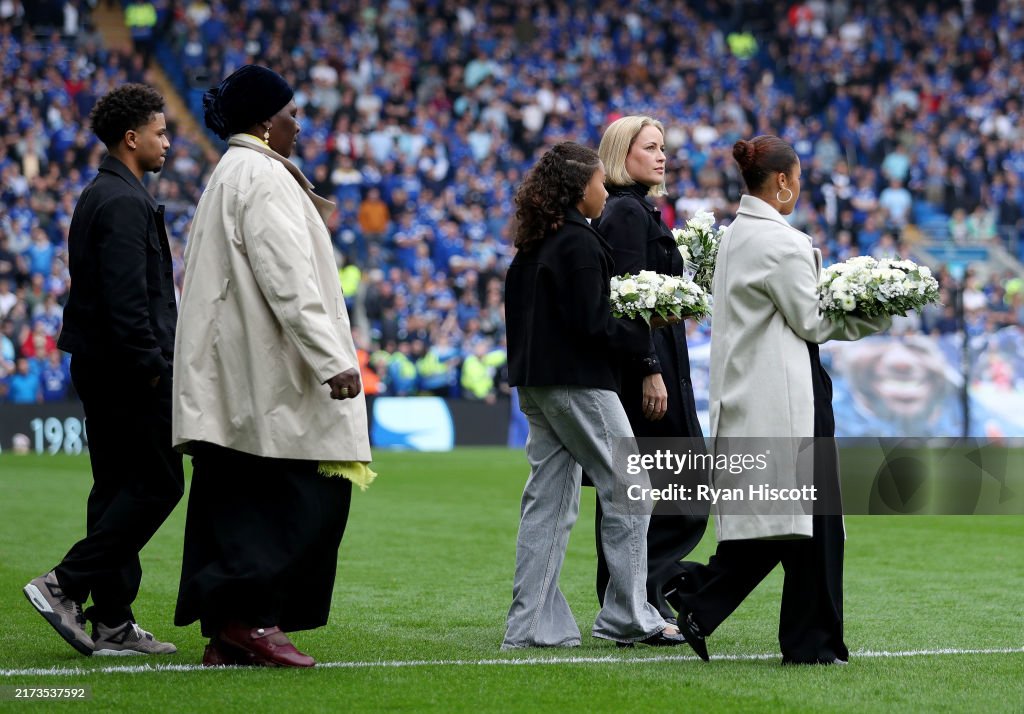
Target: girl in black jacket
[(563, 343)]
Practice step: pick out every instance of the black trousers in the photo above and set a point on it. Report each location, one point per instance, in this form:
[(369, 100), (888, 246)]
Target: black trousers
[(137, 481), (261, 541), (811, 618)]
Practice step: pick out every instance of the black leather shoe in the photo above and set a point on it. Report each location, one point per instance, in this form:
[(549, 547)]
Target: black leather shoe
[(658, 639), (693, 636)]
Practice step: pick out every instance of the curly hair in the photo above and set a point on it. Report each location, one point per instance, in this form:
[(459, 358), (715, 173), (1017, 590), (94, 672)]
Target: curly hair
[(555, 183), (123, 109)]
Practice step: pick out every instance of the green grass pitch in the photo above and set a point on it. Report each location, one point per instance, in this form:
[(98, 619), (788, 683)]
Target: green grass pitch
[(424, 583)]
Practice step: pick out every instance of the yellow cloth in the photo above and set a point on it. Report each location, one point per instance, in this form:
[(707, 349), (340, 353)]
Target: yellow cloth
[(358, 472)]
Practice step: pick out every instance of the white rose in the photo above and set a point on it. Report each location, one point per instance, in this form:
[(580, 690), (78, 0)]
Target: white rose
[(685, 252), (651, 301), (703, 219), (628, 286)]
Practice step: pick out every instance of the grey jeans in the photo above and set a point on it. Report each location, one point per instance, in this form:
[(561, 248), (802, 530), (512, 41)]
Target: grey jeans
[(571, 429)]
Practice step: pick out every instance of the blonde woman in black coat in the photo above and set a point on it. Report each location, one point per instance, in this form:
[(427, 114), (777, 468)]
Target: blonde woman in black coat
[(656, 390)]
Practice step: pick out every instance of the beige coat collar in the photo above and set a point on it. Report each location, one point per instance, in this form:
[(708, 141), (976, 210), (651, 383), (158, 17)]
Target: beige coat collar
[(324, 207)]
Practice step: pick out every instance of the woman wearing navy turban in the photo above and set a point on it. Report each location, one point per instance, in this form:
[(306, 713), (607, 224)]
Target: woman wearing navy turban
[(267, 397)]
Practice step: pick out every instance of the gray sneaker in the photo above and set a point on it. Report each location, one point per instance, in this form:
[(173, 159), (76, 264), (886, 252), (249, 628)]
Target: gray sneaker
[(127, 639), (63, 613)]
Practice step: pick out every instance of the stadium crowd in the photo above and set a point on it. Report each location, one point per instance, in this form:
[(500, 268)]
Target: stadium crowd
[(420, 116)]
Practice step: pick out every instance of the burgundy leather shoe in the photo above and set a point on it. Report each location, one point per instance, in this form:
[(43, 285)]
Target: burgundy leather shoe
[(218, 654), (268, 646)]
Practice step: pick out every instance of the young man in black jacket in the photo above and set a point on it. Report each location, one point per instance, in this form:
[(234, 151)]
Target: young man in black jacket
[(119, 328)]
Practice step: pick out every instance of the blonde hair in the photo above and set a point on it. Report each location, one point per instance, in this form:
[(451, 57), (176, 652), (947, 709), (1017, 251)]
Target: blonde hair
[(616, 142)]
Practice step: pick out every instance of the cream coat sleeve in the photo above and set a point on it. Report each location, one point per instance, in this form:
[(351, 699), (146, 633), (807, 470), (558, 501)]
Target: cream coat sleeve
[(278, 245), (793, 287)]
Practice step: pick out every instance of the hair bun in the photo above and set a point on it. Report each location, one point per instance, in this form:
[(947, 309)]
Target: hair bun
[(743, 152), (212, 115)]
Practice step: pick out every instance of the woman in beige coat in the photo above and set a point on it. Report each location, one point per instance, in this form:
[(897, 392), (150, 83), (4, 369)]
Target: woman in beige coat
[(770, 395), (267, 394)]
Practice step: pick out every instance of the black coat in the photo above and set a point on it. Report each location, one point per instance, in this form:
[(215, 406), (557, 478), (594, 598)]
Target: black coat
[(640, 240), (121, 309), (559, 322)]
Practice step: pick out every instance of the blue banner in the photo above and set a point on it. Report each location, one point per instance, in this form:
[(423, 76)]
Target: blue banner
[(913, 385)]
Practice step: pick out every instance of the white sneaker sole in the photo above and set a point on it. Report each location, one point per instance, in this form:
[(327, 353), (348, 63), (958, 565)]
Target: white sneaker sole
[(43, 607), (36, 598), (117, 653), (127, 653)]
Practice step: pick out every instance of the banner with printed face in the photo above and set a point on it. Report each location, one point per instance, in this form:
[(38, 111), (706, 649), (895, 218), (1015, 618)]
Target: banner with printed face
[(912, 385)]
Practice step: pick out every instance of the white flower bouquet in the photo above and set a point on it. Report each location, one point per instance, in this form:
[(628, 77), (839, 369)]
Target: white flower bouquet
[(650, 293), (698, 242), (867, 287)]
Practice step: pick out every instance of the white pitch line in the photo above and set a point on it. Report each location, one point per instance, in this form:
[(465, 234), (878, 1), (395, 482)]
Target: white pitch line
[(526, 661)]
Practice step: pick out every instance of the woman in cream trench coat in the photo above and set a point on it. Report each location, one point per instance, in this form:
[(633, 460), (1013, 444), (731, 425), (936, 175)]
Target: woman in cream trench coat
[(266, 386), (263, 323), (768, 389)]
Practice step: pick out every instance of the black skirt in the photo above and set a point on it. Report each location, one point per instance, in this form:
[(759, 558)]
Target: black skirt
[(261, 541), (816, 633)]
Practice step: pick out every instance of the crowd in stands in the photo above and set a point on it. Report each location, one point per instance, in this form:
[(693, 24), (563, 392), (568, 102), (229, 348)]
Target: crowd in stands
[(420, 116)]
